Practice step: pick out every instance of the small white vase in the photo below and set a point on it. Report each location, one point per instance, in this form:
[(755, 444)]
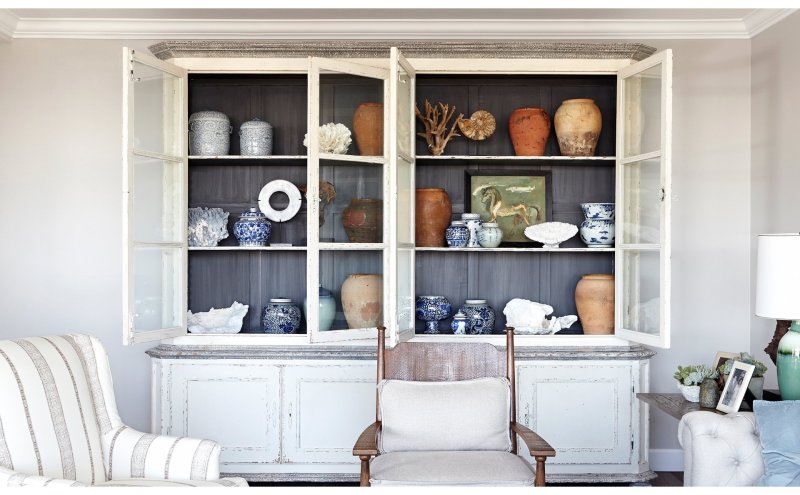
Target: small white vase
[(690, 392)]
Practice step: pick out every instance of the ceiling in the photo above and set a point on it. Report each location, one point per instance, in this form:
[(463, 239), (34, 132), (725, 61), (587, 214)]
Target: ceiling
[(387, 23)]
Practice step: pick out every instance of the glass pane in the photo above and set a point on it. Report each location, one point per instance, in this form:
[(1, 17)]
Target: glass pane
[(405, 288), (404, 114), (357, 103), (355, 279), (157, 288), (405, 202), (642, 191), (156, 111), (157, 201), (356, 212), (643, 112), (641, 303)]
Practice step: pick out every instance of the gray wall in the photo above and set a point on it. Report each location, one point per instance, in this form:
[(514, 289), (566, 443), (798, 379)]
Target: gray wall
[(775, 172), (60, 177)]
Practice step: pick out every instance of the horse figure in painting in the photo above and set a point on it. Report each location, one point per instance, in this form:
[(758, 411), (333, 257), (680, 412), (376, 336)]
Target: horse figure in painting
[(493, 202)]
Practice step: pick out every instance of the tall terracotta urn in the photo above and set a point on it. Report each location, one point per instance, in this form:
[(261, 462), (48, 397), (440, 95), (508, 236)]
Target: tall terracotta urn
[(529, 129), (363, 220), (368, 129), (433, 211), (578, 123), (362, 296), (594, 297)]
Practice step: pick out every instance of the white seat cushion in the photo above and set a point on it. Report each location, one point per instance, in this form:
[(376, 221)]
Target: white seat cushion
[(469, 468), (140, 482)]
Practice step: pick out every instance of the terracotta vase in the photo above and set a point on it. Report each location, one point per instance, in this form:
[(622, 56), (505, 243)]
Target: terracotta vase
[(594, 297), (433, 211), (529, 129), (578, 123), (362, 300), (368, 129), (363, 220)]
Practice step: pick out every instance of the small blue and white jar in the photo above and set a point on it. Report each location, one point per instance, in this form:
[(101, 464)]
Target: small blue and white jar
[(457, 234), (459, 324), (431, 309), (490, 235), (473, 222), (209, 133), (255, 138), (479, 315), (252, 228), (281, 316)]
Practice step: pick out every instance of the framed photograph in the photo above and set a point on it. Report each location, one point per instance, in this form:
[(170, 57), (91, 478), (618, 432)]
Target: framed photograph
[(735, 387), (511, 199), (722, 357)]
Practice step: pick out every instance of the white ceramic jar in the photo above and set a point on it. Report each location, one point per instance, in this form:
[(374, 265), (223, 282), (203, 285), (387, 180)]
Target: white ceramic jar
[(255, 138), (209, 134), (490, 235)]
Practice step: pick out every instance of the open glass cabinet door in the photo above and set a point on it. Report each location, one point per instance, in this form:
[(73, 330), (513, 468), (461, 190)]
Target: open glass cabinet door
[(642, 260), (154, 176), (401, 157), (349, 246)]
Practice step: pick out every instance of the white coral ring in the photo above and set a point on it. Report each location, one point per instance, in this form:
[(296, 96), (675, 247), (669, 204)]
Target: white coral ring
[(285, 187)]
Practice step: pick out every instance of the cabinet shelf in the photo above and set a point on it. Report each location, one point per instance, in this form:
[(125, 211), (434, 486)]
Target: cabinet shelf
[(242, 157), (514, 250), (351, 246), (378, 160), (446, 158), (249, 248)]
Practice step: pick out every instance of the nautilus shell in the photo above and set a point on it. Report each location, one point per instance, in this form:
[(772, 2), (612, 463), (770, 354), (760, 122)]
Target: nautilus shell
[(479, 126)]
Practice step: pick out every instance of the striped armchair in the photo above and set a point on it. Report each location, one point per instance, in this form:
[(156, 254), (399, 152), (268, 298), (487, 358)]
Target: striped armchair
[(59, 424)]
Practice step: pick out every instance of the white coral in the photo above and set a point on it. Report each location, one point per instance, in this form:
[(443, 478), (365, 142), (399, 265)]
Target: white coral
[(529, 317), (224, 320), (551, 234), (333, 138), (207, 226)]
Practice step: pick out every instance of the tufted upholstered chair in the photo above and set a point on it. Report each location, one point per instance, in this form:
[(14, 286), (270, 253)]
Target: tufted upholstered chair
[(445, 415), (720, 450), (59, 424)]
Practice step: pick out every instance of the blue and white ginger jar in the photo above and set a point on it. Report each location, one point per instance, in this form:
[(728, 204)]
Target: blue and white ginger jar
[(209, 133), (252, 228), (479, 315), (473, 222), (490, 235), (457, 234), (281, 316), (255, 138), (431, 309), (598, 228)]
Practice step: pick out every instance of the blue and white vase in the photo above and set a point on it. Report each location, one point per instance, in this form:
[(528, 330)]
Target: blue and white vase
[(281, 316), (490, 235), (431, 309), (598, 228), (252, 228), (479, 315), (255, 138), (459, 324), (457, 234), (327, 309), (473, 222)]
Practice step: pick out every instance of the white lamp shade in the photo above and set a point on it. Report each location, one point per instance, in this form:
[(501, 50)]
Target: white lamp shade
[(778, 276)]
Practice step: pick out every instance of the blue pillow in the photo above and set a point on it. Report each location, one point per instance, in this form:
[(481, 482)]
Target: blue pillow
[(779, 431)]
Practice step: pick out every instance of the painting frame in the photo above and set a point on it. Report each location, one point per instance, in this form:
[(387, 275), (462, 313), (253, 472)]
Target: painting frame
[(540, 198), (735, 387)]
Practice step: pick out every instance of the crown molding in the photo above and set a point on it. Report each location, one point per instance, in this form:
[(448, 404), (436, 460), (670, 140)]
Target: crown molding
[(386, 29), (8, 25), (760, 20)]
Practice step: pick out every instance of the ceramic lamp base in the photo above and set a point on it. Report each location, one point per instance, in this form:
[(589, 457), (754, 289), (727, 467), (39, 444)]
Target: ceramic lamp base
[(788, 363)]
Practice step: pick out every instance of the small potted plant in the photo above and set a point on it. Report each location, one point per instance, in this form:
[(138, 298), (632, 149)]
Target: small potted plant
[(756, 385), (689, 380)]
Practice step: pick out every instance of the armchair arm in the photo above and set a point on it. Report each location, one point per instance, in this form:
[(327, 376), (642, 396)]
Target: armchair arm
[(11, 478), (537, 446), (367, 443), (133, 454)]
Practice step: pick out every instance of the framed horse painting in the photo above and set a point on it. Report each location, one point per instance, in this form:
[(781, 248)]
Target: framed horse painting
[(512, 200)]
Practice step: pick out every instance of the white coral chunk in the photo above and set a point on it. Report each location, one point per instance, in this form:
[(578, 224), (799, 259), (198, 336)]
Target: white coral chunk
[(333, 138), (530, 317), (551, 234), (223, 320)]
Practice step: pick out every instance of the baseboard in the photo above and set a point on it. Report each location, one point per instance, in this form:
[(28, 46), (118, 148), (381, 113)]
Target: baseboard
[(666, 459)]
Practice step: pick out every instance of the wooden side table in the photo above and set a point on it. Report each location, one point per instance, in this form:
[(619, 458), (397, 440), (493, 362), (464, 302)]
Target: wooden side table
[(674, 404)]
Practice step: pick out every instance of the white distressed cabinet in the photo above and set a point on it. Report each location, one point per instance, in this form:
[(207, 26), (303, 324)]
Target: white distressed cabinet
[(289, 407)]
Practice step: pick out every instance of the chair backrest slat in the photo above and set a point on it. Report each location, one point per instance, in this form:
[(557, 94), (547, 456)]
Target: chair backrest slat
[(438, 361)]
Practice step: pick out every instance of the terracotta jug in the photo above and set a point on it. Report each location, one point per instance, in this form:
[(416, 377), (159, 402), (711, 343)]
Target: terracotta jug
[(433, 211), (529, 129), (594, 297), (362, 300), (578, 123), (363, 220), (368, 129)]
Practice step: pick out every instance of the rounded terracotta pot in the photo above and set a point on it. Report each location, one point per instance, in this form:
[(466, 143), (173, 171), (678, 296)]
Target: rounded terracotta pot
[(433, 212), (362, 296), (363, 220), (578, 123), (529, 129), (594, 297), (368, 129)]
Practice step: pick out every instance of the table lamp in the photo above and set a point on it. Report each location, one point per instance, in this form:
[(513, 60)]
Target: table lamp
[(778, 297)]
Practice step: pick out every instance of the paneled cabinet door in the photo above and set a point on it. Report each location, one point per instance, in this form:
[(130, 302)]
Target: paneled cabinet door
[(583, 409), (236, 405), (325, 408)]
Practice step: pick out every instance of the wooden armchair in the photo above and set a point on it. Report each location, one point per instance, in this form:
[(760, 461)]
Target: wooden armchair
[(460, 430)]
